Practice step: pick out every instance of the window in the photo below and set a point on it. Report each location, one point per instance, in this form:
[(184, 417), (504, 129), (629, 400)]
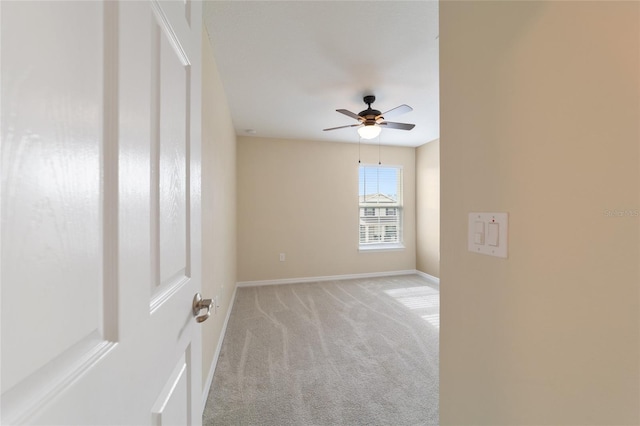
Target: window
[(380, 201)]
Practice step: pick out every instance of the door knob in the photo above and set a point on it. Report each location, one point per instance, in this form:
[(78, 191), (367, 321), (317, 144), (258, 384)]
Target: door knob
[(199, 304)]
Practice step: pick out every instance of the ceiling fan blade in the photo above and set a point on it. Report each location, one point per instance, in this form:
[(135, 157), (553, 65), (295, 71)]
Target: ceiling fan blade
[(401, 126), (349, 113), (402, 109), (342, 127)]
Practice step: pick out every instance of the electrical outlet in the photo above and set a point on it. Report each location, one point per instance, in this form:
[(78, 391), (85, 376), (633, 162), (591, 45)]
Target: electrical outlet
[(282, 257)]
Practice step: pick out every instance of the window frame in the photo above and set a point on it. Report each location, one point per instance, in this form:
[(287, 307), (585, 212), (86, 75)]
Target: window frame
[(376, 242)]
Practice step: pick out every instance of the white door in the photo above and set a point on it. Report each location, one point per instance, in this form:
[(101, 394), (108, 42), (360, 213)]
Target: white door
[(100, 212)]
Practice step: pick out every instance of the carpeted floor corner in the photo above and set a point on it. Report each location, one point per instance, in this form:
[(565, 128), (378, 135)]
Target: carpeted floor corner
[(352, 352)]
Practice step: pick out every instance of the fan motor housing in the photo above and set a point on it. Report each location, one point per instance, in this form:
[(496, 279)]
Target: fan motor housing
[(370, 116), (369, 112)]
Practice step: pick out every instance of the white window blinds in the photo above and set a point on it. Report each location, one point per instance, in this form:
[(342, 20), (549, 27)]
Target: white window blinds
[(380, 201)]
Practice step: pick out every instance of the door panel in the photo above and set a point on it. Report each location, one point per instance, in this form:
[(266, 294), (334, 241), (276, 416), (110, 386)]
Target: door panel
[(172, 146), (100, 200), (170, 408), (51, 187)]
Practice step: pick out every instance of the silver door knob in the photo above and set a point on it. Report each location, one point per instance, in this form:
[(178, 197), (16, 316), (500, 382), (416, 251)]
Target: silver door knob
[(199, 304)]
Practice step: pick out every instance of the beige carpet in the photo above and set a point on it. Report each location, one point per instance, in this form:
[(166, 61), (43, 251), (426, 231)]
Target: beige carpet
[(352, 352)]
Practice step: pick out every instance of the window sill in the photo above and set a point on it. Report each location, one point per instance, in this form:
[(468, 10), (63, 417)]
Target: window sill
[(381, 247)]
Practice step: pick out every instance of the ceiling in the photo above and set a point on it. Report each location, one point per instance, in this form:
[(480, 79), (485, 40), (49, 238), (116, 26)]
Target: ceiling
[(288, 65)]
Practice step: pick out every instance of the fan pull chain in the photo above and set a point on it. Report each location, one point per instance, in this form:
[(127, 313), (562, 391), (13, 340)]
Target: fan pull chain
[(359, 139), (379, 162)]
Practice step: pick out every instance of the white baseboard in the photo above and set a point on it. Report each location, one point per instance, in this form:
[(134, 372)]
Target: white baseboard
[(325, 278), (431, 278), (212, 369)]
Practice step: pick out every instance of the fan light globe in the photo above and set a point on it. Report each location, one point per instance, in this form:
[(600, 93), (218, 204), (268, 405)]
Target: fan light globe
[(369, 132)]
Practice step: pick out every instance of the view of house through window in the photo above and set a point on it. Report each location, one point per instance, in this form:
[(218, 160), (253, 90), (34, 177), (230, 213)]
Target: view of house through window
[(380, 199)]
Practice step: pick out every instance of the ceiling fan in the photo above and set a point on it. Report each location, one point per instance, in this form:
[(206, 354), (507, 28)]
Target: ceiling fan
[(370, 121)]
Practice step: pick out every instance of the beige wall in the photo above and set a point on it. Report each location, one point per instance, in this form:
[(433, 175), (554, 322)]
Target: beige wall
[(428, 208), (218, 203), (539, 118), (301, 198)]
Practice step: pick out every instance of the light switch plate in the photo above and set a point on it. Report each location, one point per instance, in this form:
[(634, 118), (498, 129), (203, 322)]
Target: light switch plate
[(501, 220)]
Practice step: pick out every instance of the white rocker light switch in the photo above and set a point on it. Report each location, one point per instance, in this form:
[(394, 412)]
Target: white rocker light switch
[(479, 234), (487, 233), (492, 234)]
